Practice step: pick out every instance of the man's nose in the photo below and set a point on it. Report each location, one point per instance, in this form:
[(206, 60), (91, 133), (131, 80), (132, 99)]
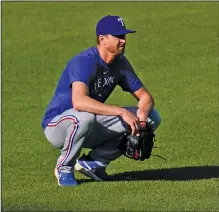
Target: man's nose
[(123, 41)]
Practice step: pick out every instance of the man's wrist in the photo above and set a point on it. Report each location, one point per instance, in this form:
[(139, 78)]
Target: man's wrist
[(142, 115), (121, 111)]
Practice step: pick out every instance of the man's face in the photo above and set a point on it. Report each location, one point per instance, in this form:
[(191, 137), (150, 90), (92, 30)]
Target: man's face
[(115, 44)]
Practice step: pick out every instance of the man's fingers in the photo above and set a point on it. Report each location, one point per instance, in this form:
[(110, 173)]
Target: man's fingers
[(133, 122), (133, 129), (137, 127)]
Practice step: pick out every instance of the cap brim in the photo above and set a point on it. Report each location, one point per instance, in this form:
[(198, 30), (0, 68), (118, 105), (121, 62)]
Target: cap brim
[(124, 32)]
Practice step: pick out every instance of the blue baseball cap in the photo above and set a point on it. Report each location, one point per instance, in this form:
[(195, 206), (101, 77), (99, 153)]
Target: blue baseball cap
[(113, 25)]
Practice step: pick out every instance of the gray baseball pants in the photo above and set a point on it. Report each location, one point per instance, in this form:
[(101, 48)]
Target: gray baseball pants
[(73, 130)]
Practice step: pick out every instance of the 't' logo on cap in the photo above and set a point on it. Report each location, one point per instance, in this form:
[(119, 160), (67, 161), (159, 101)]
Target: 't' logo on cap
[(121, 21)]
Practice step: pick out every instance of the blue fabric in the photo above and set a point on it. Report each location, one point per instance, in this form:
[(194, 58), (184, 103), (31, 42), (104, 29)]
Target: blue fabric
[(113, 25), (100, 78)]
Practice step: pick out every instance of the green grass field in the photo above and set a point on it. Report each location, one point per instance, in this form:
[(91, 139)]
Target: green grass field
[(175, 53)]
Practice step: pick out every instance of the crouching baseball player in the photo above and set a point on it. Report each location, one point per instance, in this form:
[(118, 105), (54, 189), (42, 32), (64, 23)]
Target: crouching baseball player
[(77, 116)]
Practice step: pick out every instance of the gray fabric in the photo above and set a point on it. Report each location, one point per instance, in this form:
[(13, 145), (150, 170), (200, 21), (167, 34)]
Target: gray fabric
[(73, 130)]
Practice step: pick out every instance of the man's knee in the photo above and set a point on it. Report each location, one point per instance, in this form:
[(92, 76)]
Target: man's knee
[(154, 119), (86, 119)]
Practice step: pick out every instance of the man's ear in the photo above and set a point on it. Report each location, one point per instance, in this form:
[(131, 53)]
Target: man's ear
[(101, 37)]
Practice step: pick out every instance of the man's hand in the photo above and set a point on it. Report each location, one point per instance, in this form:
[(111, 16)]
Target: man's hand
[(132, 120)]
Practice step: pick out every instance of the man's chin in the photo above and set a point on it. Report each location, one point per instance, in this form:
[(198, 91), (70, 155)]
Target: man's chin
[(122, 51)]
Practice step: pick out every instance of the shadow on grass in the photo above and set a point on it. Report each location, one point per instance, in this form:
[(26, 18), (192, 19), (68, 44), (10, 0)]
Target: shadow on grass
[(171, 174)]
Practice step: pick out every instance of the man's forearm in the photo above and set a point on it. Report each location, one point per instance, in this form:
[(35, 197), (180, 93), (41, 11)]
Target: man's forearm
[(146, 104), (90, 105)]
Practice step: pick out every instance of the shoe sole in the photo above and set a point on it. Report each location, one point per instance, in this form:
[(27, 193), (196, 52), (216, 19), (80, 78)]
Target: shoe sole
[(87, 173), (57, 175)]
